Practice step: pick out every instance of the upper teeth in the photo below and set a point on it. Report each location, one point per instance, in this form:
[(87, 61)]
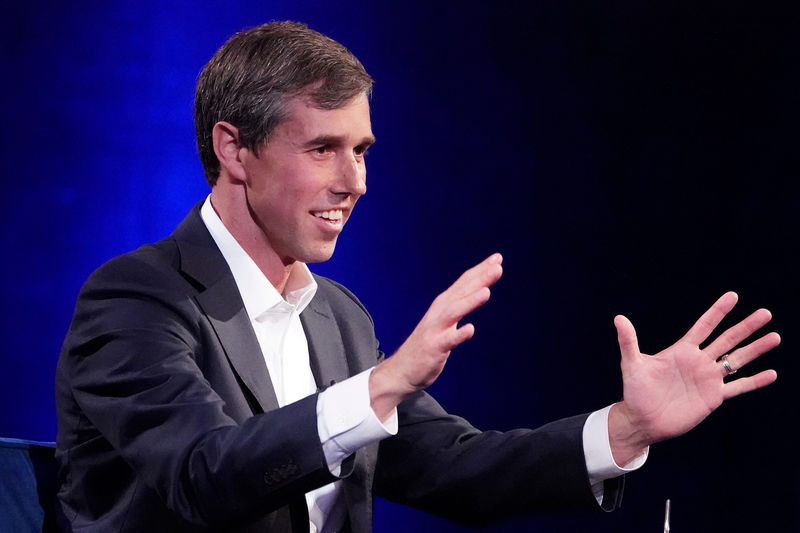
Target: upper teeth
[(333, 214)]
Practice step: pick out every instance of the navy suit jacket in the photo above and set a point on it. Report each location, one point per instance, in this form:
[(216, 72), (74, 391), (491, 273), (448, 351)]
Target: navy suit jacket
[(167, 419)]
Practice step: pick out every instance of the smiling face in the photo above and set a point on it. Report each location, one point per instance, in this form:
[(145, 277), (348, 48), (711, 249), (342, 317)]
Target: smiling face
[(303, 185)]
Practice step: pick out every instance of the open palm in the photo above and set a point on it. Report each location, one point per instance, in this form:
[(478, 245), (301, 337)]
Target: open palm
[(667, 394)]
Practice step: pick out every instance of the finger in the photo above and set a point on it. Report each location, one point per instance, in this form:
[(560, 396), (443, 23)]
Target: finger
[(452, 311), (711, 318), (736, 334), (469, 292), (739, 358), (484, 274), (477, 270), (747, 384), (458, 336), (626, 336)]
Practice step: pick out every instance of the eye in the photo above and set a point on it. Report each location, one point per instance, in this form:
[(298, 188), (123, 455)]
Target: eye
[(321, 150), (361, 150)]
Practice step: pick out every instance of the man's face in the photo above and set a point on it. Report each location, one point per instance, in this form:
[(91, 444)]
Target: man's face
[(303, 186)]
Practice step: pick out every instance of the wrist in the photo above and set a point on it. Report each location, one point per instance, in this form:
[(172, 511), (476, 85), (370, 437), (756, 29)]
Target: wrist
[(386, 390), (627, 437)]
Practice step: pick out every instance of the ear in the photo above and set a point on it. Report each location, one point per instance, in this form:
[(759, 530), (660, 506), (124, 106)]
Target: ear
[(225, 137)]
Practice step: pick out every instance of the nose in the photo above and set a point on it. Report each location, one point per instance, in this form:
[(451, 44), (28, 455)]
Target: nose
[(353, 177)]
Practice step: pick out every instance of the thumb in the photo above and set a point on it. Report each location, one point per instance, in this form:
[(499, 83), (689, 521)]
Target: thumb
[(626, 336)]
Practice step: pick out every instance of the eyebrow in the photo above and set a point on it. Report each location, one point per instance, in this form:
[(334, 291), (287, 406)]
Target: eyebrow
[(334, 139)]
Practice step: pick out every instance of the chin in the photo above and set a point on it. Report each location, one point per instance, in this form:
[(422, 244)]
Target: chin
[(319, 255)]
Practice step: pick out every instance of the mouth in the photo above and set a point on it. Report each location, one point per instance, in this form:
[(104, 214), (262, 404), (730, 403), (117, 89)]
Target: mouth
[(332, 216)]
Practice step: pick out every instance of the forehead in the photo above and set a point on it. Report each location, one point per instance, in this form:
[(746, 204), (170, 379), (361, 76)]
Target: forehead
[(304, 119)]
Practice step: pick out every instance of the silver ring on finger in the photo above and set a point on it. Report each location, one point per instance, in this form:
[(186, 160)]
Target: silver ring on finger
[(726, 365)]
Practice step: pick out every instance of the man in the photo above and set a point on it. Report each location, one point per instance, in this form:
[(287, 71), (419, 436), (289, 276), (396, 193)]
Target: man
[(209, 382)]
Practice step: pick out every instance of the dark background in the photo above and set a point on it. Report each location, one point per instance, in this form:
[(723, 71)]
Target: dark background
[(625, 157)]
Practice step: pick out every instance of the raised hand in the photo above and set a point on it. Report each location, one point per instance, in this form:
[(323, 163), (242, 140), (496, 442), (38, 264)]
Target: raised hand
[(667, 394), (421, 358)]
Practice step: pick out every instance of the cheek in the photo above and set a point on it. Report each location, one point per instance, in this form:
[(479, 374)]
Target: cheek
[(291, 188), (277, 192), (304, 191)]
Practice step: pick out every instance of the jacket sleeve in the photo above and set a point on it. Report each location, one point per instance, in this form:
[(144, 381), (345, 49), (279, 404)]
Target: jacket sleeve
[(441, 464)]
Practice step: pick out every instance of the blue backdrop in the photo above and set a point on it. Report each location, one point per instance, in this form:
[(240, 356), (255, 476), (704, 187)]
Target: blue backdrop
[(625, 158)]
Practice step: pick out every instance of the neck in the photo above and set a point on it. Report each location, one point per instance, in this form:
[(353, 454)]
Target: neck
[(239, 222)]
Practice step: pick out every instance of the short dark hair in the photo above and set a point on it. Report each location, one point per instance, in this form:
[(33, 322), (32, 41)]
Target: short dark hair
[(251, 78)]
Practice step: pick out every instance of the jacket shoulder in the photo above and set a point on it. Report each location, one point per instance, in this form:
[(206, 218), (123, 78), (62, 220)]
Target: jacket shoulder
[(151, 267), (340, 296)]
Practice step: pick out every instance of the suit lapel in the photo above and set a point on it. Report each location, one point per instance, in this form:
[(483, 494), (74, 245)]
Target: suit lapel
[(325, 348), (225, 310), (221, 302)]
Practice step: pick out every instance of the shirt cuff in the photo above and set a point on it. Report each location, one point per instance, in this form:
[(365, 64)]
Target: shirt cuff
[(346, 422), (600, 462)]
